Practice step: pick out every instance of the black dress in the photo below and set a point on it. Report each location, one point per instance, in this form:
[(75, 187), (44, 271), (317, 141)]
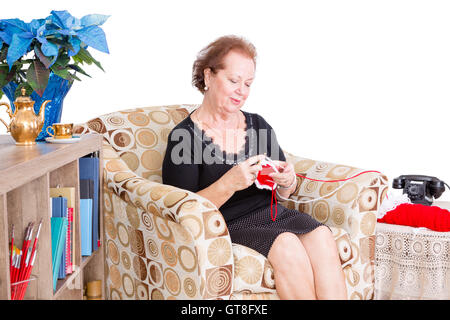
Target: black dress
[(193, 162)]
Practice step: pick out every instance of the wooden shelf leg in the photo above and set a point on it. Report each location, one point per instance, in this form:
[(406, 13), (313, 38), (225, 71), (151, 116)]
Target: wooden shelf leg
[(5, 293)]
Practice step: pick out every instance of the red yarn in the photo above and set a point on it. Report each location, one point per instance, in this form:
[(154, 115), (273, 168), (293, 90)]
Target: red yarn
[(418, 215), (274, 195), (264, 179), (338, 180)]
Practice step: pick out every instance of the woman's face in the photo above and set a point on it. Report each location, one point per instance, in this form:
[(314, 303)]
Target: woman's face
[(230, 87)]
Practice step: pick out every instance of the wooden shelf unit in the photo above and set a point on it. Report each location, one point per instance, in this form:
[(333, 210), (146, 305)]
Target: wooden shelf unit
[(26, 176)]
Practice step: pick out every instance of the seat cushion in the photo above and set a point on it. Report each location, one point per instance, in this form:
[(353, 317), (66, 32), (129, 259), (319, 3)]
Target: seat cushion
[(254, 273)]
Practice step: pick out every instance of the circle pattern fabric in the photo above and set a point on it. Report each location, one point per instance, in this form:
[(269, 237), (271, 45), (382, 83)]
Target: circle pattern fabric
[(166, 243)]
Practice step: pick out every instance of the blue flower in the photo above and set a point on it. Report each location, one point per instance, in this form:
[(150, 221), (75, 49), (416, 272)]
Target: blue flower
[(18, 35), (9, 27), (85, 30), (59, 43), (58, 30)]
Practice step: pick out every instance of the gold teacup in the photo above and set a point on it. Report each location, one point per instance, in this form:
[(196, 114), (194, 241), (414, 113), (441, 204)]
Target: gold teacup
[(61, 130)]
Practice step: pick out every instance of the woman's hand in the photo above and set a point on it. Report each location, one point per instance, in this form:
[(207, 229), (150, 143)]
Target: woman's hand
[(286, 176), (244, 174)]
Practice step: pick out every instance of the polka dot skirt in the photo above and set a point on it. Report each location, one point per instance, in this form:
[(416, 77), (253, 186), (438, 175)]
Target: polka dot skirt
[(258, 231)]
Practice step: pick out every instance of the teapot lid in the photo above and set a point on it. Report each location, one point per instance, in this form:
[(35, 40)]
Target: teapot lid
[(24, 98)]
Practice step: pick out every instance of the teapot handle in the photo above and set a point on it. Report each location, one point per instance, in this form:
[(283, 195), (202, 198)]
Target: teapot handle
[(8, 109)]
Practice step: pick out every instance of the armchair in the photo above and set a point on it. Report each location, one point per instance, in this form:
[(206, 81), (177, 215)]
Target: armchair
[(163, 242)]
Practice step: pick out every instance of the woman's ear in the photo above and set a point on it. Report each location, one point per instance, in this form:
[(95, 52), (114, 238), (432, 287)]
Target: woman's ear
[(207, 76)]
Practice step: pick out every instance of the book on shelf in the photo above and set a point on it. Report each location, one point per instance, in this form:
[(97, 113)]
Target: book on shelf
[(58, 231), (87, 192), (86, 226), (89, 169), (69, 194), (59, 210)]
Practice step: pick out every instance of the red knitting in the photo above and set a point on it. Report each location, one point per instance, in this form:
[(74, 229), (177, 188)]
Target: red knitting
[(418, 215)]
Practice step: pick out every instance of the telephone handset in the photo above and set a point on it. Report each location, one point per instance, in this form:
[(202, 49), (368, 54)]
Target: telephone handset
[(420, 189)]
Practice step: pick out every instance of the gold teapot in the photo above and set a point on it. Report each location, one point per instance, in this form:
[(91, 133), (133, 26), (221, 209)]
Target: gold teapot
[(25, 125)]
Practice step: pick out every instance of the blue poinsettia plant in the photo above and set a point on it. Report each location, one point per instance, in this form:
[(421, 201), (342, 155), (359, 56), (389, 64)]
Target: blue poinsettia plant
[(29, 52)]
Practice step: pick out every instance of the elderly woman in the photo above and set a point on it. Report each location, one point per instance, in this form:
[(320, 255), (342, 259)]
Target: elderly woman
[(218, 158)]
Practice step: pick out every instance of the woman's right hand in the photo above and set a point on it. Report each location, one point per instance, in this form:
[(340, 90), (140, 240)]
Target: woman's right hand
[(244, 174)]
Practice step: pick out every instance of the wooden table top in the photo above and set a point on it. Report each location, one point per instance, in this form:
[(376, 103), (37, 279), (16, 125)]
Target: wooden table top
[(21, 164)]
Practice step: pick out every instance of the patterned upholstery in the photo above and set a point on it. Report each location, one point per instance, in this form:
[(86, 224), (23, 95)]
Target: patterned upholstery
[(163, 242)]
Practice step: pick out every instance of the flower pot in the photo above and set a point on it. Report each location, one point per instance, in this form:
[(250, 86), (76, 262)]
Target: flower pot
[(55, 91)]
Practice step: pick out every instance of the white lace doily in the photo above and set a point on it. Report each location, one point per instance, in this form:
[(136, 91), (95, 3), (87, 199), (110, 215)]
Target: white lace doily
[(391, 202)]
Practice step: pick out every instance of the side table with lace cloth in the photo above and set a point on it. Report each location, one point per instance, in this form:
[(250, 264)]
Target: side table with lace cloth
[(412, 263)]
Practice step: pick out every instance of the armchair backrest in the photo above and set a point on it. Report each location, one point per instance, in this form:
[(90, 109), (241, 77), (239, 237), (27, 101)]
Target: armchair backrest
[(139, 136)]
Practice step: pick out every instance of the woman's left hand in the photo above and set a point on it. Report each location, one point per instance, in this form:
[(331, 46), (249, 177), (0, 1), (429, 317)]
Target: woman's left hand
[(286, 175)]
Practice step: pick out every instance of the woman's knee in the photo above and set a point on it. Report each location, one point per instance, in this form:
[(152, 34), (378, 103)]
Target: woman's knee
[(323, 231), (287, 251), (320, 239), (320, 235)]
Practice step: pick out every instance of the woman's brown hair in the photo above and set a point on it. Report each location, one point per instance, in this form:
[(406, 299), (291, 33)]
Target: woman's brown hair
[(212, 57)]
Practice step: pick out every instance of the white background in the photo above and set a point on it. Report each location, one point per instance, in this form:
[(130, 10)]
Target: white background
[(361, 83)]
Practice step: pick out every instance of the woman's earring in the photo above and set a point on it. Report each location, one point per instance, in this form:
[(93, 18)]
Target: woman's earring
[(206, 88)]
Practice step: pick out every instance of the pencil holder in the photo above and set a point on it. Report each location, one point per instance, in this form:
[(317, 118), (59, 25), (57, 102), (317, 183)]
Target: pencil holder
[(94, 290), (19, 288)]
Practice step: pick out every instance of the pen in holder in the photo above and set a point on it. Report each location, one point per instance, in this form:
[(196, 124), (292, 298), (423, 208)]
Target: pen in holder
[(19, 288), (22, 262)]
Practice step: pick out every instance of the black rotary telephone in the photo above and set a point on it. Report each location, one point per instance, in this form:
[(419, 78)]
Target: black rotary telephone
[(420, 189)]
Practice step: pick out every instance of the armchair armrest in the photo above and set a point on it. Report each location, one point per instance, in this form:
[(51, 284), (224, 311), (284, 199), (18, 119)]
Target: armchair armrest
[(351, 205), (171, 207)]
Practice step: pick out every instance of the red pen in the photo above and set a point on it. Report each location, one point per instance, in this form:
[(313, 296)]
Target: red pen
[(13, 263), (30, 262), (15, 273), (24, 254), (12, 252), (25, 247), (27, 242), (22, 274)]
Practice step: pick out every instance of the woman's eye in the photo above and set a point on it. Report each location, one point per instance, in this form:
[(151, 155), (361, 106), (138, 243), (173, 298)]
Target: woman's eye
[(232, 80), (248, 84)]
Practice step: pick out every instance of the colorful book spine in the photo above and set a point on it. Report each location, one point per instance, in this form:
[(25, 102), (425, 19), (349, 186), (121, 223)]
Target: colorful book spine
[(60, 210), (86, 226), (58, 231), (69, 194), (69, 254), (89, 169)]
